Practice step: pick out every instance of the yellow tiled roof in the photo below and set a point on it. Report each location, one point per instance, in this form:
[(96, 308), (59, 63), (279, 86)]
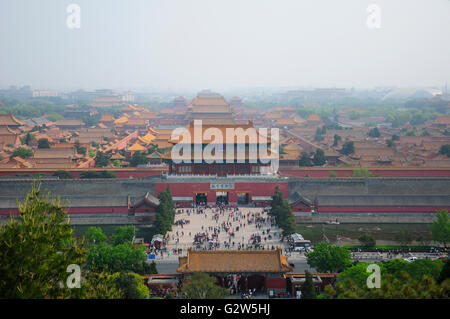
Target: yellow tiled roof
[(219, 261)]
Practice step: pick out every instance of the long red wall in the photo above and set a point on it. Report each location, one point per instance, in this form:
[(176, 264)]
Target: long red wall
[(347, 172), (312, 172)]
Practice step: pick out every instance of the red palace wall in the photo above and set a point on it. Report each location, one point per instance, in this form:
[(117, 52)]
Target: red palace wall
[(323, 173), (379, 209), (254, 189)]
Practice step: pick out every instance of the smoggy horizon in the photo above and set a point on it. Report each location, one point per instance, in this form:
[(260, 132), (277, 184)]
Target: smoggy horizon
[(224, 45)]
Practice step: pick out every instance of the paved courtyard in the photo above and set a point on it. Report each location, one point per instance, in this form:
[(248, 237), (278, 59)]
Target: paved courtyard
[(230, 228)]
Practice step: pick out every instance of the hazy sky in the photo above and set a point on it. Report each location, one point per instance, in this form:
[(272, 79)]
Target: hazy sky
[(222, 44)]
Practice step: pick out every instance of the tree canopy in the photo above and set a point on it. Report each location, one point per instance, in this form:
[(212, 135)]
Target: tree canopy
[(328, 258), (203, 286), (440, 228)]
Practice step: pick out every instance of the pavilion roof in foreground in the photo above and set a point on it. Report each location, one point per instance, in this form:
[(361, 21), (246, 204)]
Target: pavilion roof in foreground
[(234, 261)]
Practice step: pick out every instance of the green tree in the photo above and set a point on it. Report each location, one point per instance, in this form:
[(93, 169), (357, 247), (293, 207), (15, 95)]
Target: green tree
[(357, 274), (308, 290), (138, 158), (27, 139), (95, 235), (101, 160), (36, 248), (445, 150), (132, 285), (122, 235), (395, 287), (305, 160), (22, 152), (43, 143), (348, 148), (319, 157), (337, 138), (203, 286), (122, 257), (282, 212), (374, 132), (362, 172), (165, 213), (440, 228), (445, 272), (367, 240), (404, 238), (332, 174), (328, 258)]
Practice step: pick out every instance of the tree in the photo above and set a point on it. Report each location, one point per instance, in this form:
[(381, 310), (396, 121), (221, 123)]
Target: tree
[(328, 258), (348, 148), (22, 152), (101, 160), (319, 157), (404, 238), (337, 138), (131, 285), (203, 286), (374, 132), (318, 137), (308, 290), (95, 235), (445, 150), (37, 249), (43, 143), (123, 257), (122, 235), (27, 139), (367, 240), (362, 172), (95, 174), (138, 158), (165, 213), (440, 228), (394, 287), (445, 272), (332, 174), (305, 160), (390, 143), (282, 212)]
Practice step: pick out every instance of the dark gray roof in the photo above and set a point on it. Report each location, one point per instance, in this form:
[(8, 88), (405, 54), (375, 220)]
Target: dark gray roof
[(296, 197), (148, 197), (74, 201), (383, 200)]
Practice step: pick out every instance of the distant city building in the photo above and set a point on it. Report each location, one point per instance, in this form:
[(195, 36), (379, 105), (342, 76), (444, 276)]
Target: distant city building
[(128, 97), (45, 93), (13, 92)]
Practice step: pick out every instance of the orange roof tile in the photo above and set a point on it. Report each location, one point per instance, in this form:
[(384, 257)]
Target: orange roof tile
[(220, 261)]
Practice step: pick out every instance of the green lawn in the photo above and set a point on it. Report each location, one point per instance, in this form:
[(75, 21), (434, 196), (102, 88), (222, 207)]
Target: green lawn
[(385, 232)]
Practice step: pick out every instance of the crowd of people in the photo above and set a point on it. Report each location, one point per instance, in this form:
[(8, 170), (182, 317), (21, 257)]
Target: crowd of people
[(226, 227)]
